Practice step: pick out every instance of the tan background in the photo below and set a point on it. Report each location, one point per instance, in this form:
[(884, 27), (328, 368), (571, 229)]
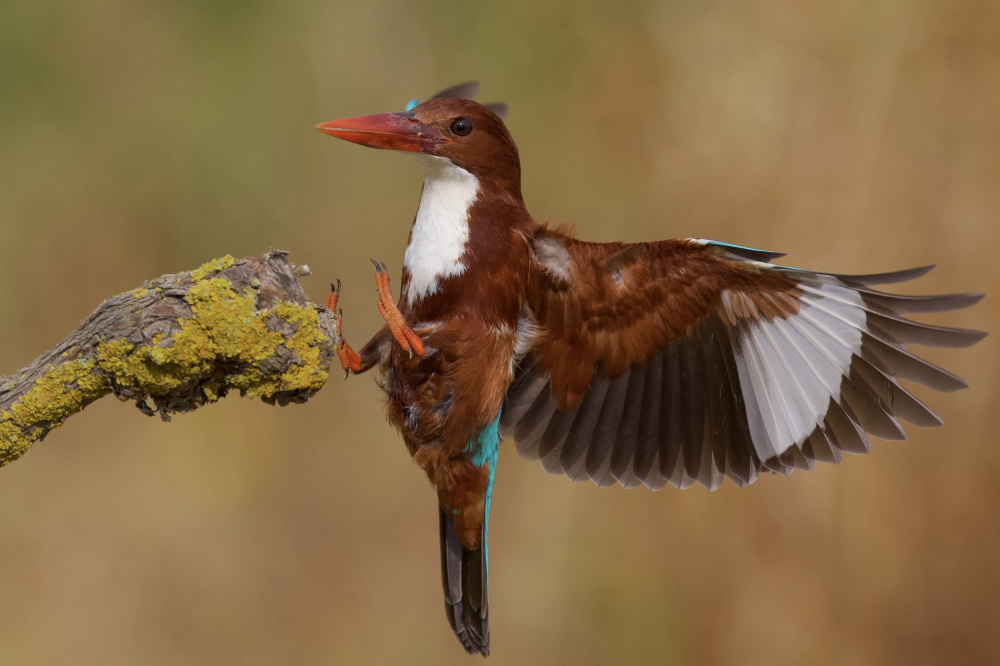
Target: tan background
[(140, 137)]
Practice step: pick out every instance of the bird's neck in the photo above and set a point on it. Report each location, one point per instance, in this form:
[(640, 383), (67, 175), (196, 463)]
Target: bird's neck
[(440, 231), (456, 215)]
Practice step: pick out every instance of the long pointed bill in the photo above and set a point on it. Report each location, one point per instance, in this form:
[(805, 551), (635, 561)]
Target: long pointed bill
[(391, 131)]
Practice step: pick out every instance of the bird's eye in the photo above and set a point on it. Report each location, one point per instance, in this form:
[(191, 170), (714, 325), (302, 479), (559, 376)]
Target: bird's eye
[(461, 126)]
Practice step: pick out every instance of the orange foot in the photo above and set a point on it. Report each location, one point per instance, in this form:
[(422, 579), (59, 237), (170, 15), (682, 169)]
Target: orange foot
[(349, 359), (404, 335)]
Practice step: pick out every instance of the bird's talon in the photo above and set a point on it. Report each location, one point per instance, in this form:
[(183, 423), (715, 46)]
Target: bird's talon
[(416, 342), (349, 359), (333, 297), (340, 323), (409, 341)]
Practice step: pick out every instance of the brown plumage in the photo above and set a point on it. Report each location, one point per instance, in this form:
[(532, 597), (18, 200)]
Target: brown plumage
[(615, 305), (658, 336), (675, 361)]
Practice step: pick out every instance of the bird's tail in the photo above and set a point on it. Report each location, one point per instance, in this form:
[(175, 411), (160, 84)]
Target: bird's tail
[(466, 597)]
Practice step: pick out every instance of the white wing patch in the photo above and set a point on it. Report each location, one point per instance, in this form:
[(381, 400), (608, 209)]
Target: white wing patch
[(791, 368), (441, 230), (527, 334)]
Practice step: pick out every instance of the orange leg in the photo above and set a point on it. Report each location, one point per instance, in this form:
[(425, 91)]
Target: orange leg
[(349, 359), (404, 335)]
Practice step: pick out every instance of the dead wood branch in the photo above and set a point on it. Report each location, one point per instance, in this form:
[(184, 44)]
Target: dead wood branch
[(178, 342)]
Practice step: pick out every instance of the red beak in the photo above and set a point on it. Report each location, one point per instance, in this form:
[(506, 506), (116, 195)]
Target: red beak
[(392, 131)]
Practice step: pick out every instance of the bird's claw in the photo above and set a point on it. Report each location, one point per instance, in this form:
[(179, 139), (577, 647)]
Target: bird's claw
[(349, 359), (401, 330), (333, 297)]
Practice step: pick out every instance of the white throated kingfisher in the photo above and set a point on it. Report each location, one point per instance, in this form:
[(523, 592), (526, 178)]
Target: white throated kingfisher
[(674, 361)]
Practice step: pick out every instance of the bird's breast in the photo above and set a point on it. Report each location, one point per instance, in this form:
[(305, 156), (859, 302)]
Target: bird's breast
[(440, 232)]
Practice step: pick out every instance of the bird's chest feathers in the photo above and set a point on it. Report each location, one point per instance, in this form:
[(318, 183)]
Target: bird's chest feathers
[(440, 232), (442, 398)]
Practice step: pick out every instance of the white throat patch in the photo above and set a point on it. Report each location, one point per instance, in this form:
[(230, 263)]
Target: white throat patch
[(441, 230)]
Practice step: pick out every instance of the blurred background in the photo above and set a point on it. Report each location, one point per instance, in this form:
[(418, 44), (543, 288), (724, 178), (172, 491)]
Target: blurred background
[(141, 137)]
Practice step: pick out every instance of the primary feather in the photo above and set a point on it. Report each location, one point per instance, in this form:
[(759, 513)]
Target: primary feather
[(690, 361)]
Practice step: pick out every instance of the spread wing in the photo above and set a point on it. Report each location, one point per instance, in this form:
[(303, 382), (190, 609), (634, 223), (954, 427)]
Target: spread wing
[(689, 360)]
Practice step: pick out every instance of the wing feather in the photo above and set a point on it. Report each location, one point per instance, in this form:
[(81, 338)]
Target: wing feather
[(847, 433), (691, 361), (467, 90), (672, 415), (620, 461), (586, 429), (647, 452), (694, 388), (733, 430)]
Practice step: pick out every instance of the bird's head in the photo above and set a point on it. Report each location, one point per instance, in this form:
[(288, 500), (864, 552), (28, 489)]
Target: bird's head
[(442, 130)]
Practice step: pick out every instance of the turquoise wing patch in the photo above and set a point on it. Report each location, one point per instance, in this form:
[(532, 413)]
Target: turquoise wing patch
[(744, 252)]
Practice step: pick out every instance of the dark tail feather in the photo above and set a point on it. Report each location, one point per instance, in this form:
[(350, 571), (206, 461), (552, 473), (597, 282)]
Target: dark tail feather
[(466, 600)]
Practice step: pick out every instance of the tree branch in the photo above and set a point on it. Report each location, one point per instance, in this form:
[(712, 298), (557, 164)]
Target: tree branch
[(179, 341)]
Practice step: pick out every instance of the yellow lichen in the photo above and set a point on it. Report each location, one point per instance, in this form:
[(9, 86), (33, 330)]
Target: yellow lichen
[(131, 366), (61, 392), (224, 327), (311, 375), (224, 323), (213, 266)]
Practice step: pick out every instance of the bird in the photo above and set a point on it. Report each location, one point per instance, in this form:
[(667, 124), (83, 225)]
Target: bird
[(677, 361)]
